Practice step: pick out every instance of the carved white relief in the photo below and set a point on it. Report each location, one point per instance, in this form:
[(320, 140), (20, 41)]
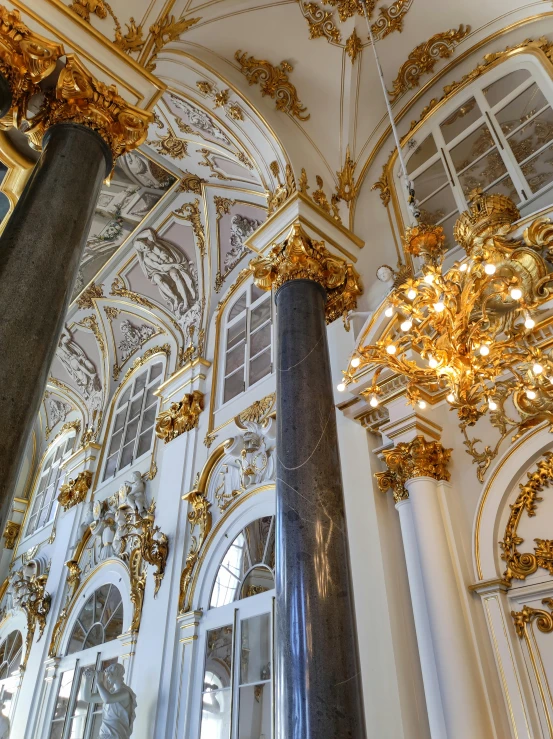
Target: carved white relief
[(133, 338), (241, 228), (144, 172), (249, 461), (117, 699), (57, 411), (80, 368), (200, 120), (171, 272)]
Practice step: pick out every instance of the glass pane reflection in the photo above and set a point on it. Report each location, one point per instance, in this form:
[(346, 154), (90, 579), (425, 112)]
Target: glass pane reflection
[(217, 694), (255, 649), (255, 717)]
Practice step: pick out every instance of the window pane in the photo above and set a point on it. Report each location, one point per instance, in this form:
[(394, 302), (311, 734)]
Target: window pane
[(236, 333), (115, 442), (256, 292), (506, 187), (57, 729), (259, 580), (64, 693), (234, 385), (260, 367), (523, 107), (132, 428), (539, 170), (423, 152), (447, 226), (149, 418), (95, 636), (126, 456), (532, 136), (260, 314), (438, 206), (110, 467), (260, 340), (77, 640), (476, 144), (134, 410), (483, 172), (218, 659), (69, 445), (155, 370), (256, 534), (502, 87), (430, 180), (114, 627), (124, 398), (465, 115), (238, 307), (80, 710), (140, 383), (151, 399), (255, 718), (255, 643), (216, 714), (144, 442), (119, 421), (113, 602), (235, 359)]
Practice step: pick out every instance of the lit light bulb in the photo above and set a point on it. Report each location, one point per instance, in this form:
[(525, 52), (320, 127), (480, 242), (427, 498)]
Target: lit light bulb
[(529, 322), (464, 267), (531, 394), (537, 369), (429, 278), (355, 362), (341, 387), (389, 312), (516, 293), (484, 350), (406, 325), (433, 362), (439, 307), (412, 294), (422, 404), (373, 401), (489, 269), (450, 398), (492, 405), (391, 349)]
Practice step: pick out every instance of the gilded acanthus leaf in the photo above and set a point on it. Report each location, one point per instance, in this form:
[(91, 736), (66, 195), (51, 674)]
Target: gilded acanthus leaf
[(131, 41), (424, 57), (164, 32), (321, 24), (86, 298), (274, 82), (390, 18), (191, 212), (353, 46), (191, 183), (180, 417), (346, 180)]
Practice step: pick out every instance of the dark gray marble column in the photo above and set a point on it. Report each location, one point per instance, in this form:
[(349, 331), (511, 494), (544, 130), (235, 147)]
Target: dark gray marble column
[(40, 251), (318, 677), (5, 96)]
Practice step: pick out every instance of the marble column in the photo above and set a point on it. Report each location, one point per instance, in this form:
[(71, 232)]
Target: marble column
[(40, 251), (318, 679)]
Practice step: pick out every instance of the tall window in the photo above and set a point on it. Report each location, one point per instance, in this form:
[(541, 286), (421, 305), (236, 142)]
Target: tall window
[(133, 425), (93, 643), (11, 653), (248, 341), (236, 679), (498, 137), (45, 498)]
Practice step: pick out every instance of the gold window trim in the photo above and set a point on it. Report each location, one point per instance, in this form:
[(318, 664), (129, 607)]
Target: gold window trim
[(387, 179)]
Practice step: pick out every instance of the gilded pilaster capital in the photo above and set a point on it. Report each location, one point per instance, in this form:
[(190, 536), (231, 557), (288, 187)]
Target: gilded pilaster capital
[(25, 59), (415, 458), (298, 257), (80, 98)]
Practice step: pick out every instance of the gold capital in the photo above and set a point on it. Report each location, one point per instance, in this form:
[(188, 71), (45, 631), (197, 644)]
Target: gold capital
[(407, 460), (301, 258), (11, 532), (80, 98), (180, 417)]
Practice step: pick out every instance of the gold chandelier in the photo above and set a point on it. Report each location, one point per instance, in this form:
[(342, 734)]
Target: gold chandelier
[(467, 333)]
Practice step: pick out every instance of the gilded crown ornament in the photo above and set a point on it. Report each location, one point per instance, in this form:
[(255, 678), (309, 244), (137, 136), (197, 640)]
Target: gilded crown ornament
[(298, 257), (180, 417)]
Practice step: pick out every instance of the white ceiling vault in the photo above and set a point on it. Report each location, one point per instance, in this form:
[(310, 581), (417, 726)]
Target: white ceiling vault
[(251, 89)]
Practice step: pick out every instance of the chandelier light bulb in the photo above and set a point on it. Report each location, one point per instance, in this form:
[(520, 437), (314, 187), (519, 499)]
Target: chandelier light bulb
[(341, 387), (530, 394), (537, 369), (355, 362), (516, 293), (433, 362), (489, 269), (412, 294), (450, 398), (484, 350), (373, 401), (406, 325), (422, 404), (429, 278), (391, 349), (529, 322), (464, 267), (492, 405), (389, 312), (438, 307)]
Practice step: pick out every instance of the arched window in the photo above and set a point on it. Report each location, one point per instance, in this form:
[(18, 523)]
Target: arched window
[(495, 134), (93, 643), (247, 342), (11, 653), (132, 429), (45, 497), (236, 640)]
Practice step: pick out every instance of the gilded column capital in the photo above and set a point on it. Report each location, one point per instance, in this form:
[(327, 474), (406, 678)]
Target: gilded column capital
[(25, 59), (299, 257), (415, 458), (80, 98)]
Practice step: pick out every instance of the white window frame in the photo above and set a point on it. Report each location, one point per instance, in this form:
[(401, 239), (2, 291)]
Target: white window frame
[(13, 679), (53, 502), (116, 410), (539, 76), (245, 368)]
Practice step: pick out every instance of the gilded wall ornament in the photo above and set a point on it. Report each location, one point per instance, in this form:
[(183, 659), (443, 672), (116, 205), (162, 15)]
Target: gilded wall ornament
[(140, 535), (191, 212), (200, 516), (390, 18), (258, 411), (353, 46), (284, 189), (11, 532), (349, 8), (180, 417), (221, 98), (299, 257), (207, 161), (171, 145), (319, 197), (87, 297), (139, 361), (191, 183), (27, 591), (274, 82), (424, 57), (206, 88), (118, 288), (346, 180), (543, 619), (73, 581), (163, 32), (321, 23), (74, 491), (132, 40), (235, 112)]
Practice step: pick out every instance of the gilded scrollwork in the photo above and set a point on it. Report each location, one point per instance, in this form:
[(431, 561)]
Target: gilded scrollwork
[(87, 297), (74, 491), (164, 31), (191, 212), (180, 417), (407, 460), (543, 619), (11, 532), (199, 515)]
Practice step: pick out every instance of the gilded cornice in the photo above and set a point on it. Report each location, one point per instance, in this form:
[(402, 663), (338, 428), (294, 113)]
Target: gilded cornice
[(424, 57), (180, 417), (299, 257)]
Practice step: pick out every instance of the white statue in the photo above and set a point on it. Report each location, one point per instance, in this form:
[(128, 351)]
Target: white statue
[(133, 493), (169, 269), (133, 337), (119, 701), (4, 721), (78, 365), (241, 227)]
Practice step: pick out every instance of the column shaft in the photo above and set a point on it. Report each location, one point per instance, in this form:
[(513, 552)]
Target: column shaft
[(40, 251), (318, 680)]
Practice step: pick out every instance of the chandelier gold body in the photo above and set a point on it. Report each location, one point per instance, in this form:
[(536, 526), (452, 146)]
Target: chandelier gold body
[(467, 332)]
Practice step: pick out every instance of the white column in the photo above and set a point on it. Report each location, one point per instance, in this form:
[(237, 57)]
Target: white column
[(464, 705), (422, 622)]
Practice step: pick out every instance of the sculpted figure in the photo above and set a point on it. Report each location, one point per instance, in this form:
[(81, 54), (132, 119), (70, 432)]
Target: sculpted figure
[(136, 493), (133, 337), (168, 268), (119, 701), (241, 227), (78, 365)]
